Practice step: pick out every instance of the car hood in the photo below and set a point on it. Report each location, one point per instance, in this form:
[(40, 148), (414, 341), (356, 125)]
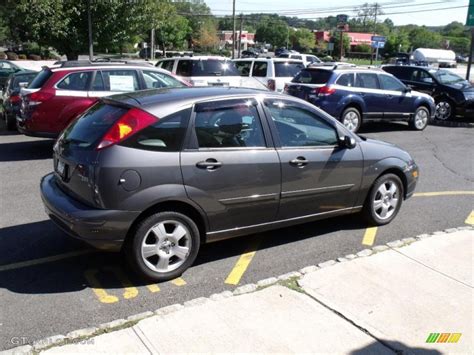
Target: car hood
[(422, 94), (463, 86), (376, 150)]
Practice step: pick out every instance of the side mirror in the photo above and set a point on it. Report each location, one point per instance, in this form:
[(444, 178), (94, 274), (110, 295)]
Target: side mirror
[(407, 89), (347, 142)]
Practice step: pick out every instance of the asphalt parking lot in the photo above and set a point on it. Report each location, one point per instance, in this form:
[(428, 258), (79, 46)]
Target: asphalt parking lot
[(51, 284)]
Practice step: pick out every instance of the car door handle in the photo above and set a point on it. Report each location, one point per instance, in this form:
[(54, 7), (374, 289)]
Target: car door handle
[(209, 164), (299, 162)]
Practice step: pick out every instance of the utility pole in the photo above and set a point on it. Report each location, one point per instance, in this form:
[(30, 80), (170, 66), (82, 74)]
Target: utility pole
[(468, 73), (152, 44), (89, 26), (341, 44), (240, 33), (233, 29), (376, 5)]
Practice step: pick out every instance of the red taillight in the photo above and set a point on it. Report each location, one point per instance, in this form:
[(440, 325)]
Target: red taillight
[(130, 123), (271, 84), (326, 91), (15, 99), (39, 97)]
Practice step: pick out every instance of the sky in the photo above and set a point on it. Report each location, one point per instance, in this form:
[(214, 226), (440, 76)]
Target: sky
[(409, 11)]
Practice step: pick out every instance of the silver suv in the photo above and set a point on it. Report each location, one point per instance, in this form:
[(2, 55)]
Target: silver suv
[(159, 172)]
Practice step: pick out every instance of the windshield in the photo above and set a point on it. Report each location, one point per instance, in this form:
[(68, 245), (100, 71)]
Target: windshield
[(287, 69), (212, 67), (447, 77)]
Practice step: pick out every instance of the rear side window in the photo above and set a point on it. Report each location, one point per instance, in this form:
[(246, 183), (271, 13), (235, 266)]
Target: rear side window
[(312, 77), (260, 69), (166, 64), (85, 132), (367, 80), (22, 79), (390, 83), (40, 79), (155, 80), (402, 73), (166, 135), (184, 68), (287, 69), (76, 81), (297, 57), (346, 80), (120, 80), (244, 67)]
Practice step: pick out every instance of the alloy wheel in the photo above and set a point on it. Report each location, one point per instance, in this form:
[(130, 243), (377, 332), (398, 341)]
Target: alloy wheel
[(351, 121), (443, 110), (421, 119), (386, 200)]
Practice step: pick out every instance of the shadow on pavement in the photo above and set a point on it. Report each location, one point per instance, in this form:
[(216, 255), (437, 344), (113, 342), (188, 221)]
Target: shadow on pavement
[(395, 347), (43, 239), (28, 150), (374, 127)]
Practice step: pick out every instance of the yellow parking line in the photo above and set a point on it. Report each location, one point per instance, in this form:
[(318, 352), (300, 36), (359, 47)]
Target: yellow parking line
[(153, 288), (442, 193), (369, 236), (178, 282), (470, 218), (130, 291), (45, 260), (94, 283), (242, 264)]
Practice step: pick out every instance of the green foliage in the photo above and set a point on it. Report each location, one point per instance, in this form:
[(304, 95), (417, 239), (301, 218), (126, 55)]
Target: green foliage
[(397, 41), (273, 31), (302, 39), (337, 44), (362, 48), (421, 37)]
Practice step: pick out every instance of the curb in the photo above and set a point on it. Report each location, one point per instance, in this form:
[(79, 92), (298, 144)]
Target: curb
[(82, 335)]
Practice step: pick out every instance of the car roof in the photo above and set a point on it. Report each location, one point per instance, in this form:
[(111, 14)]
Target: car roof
[(198, 57), (346, 69), (271, 60), (107, 66)]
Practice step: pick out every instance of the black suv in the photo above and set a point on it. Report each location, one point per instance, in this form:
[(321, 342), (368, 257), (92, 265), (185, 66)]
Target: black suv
[(453, 95)]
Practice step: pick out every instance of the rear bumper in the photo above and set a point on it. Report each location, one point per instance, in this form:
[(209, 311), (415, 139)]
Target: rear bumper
[(103, 229)]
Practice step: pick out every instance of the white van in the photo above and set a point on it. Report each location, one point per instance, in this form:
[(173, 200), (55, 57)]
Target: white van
[(271, 72), (306, 58)]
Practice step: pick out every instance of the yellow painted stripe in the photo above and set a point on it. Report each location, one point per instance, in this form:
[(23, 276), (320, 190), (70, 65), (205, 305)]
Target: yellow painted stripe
[(94, 283), (242, 264), (178, 282), (454, 338), (369, 236), (442, 193), (470, 218), (153, 288), (45, 260), (129, 291)]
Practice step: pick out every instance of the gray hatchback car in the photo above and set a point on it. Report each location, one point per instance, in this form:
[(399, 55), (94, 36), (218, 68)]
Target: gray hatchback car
[(159, 172)]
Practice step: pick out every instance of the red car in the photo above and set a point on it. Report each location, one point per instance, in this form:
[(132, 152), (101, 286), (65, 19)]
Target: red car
[(57, 95)]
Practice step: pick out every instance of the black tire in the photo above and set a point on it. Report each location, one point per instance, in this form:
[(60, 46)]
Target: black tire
[(369, 209), (445, 109), (420, 119), (10, 122), (351, 114), (143, 266)]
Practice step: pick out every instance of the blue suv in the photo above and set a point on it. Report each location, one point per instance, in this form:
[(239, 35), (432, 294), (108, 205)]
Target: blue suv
[(357, 95)]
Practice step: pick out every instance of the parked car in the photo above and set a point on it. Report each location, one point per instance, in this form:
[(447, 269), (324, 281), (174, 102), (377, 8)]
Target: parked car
[(158, 173), (271, 72), (453, 95), (280, 51), (357, 95), (250, 53), (306, 58), (6, 69), (11, 96), (57, 95)]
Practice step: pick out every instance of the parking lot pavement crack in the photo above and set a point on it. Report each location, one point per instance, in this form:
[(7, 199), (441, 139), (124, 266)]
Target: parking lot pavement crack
[(435, 155), (350, 321)]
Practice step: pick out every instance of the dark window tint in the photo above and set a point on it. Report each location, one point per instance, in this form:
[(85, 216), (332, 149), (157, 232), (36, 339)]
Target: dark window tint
[(346, 80), (166, 64), (299, 127), (235, 125), (98, 83), (184, 68), (422, 76), (213, 67), (312, 76), (164, 136), (260, 69), (120, 80), (40, 79), (367, 80), (285, 69), (402, 73), (27, 78), (155, 80), (87, 130), (75, 81), (243, 67), (297, 57), (390, 83)]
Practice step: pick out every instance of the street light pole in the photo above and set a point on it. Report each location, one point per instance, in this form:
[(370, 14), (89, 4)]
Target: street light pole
[(89, 26), (233, 29)]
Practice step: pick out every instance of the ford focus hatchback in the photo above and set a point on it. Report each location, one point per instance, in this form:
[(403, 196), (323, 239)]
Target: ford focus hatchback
[(159, 172)]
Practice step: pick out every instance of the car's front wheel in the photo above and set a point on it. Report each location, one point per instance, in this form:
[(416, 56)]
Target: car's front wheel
[(444, 109), (420, 119), (351, 119), (384, 200), (163, 246)]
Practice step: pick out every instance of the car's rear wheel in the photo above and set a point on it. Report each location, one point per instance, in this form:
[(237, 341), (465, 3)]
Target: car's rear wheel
[(10, 122), (444, 109), (384, 200), (351, 119), (163, 246), (420, 119)]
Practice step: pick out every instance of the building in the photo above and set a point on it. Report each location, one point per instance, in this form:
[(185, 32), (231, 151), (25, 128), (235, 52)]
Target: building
[(356, 38), (225, 39)]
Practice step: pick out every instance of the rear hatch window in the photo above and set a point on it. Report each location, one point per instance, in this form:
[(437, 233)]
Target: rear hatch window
[(22, 79), (40, 79), (312, 77), (213, 67), (287, 69), (86, 132)]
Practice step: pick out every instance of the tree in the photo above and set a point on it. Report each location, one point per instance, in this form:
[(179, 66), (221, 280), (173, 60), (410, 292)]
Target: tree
[(421, 37), (346, 43), (173, 32), (367, 14), (273, 31), (207, 38), (397, 41), (302, 39)]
